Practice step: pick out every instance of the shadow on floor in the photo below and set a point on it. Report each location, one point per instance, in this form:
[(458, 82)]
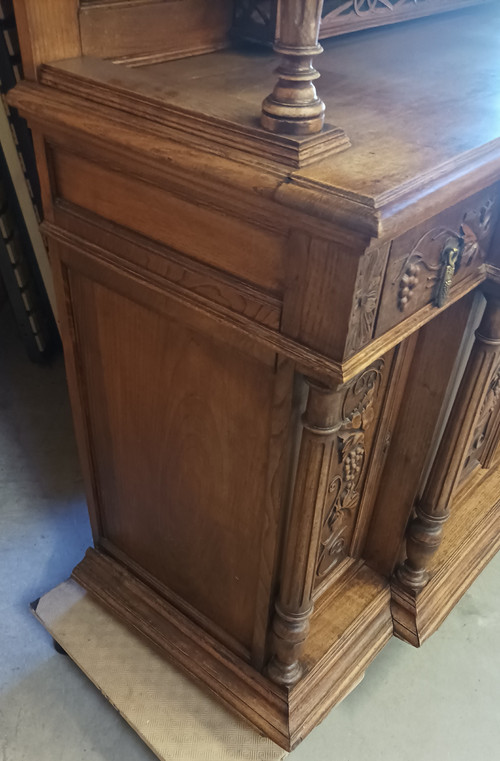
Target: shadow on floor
[(36, 429)]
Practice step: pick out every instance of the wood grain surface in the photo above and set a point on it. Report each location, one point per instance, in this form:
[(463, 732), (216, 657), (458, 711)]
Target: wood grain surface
[(265, 333)]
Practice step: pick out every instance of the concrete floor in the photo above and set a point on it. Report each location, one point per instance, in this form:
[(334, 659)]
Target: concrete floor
[(438, 703)]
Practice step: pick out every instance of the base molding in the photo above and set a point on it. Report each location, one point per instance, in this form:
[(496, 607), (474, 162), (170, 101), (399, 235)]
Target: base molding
[(471, 539), (284, 715)]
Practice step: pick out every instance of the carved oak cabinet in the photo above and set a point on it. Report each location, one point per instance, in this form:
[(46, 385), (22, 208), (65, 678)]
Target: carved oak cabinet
[(282, 335)]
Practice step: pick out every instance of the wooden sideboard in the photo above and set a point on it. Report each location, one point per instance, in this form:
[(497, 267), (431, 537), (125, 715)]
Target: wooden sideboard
[(282, 338)]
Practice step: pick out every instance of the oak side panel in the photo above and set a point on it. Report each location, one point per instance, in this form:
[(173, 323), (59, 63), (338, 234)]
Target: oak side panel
[(77, 389), (320, 283), (169, 269), (220, 240), (181, 423)]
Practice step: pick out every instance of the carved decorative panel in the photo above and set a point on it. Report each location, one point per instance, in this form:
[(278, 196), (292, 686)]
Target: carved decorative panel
[(348, 464), (427, 262), (256, 19), (460, 248), (366, 299), (348, 15), (486, 432)]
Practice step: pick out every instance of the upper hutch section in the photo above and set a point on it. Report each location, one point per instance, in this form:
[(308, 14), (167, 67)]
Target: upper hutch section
[(130, 31), (145, 32), (139, 32), (142, 32), (113, 59), (256, 19)]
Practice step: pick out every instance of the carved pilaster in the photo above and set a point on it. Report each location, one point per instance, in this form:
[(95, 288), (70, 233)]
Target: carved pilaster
[(425, 531), (348, 466), (294, 107), (330, 472), (295, 605), (487, 430)]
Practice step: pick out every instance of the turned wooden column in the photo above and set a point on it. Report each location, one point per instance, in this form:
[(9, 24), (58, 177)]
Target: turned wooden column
[(425, 531), (294, 107), (294, 605)]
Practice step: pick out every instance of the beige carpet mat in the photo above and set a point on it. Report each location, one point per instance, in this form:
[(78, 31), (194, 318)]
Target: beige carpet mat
[(175, 718)]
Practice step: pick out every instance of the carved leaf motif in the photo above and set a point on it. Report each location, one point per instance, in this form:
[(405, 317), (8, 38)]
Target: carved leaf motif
[(332, 551), (470, 245), (478, 220), (493, 394), (366, 299), (343, 499), (357, 409)]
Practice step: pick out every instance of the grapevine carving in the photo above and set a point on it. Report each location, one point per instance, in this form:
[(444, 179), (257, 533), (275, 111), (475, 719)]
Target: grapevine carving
[(357, 408), (413, 270), (348, 465), (366, 299), (485, 422), (460, 249)]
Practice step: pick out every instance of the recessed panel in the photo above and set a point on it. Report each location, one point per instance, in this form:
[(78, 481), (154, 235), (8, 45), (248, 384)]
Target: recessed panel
[(180, 426)]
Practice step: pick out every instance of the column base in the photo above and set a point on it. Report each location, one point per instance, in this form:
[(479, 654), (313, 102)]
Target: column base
[(281, 126), (471, 538), (292, 120)]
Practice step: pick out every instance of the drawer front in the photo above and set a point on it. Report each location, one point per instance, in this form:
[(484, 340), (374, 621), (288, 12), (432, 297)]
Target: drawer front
[(428, 262)]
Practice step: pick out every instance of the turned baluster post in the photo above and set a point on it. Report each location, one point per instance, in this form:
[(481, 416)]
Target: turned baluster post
[(294, 605), (294, 107), (425, 531)]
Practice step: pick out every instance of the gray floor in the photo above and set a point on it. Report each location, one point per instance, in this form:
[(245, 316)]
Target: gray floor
[(441, 702)]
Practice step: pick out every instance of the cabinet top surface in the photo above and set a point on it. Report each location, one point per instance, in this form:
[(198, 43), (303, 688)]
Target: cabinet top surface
[(415, 99)]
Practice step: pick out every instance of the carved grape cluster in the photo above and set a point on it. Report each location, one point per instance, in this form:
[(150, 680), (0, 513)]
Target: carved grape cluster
[(408, 283), (352, 466)]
